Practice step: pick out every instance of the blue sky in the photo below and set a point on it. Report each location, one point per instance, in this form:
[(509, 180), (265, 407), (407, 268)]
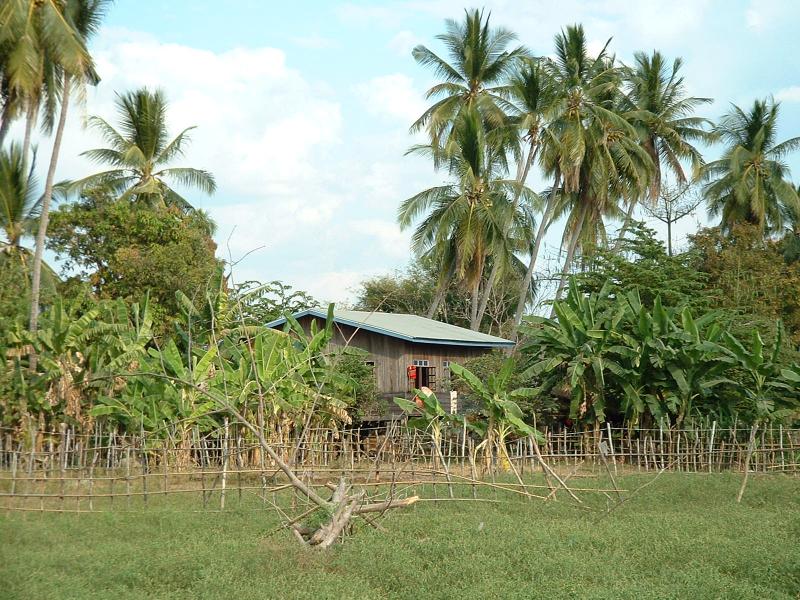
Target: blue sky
[(302, 109)]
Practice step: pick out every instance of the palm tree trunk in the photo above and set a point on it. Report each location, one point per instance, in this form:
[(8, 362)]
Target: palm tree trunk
[(573, 244), (437, 300), (5, 121), (30, 120), (45, 215), (487, 290), (625, 224), (441, 291), (474, 324), (521, 178), (537, 243)]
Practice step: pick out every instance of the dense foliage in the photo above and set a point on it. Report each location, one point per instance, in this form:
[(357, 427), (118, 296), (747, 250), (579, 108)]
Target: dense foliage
[(148, 332), (627, 361), (127, 249)]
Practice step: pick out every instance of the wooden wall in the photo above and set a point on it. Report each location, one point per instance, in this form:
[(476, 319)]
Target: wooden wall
[(393, 355)]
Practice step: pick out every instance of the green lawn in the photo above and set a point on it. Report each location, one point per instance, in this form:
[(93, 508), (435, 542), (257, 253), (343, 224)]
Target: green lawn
[(682, 537)]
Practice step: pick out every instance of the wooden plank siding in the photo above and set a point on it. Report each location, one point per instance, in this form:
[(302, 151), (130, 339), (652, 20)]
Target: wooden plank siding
[(392, 356)]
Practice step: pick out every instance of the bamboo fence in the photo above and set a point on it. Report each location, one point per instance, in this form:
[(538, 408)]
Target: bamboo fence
[(69, 471)]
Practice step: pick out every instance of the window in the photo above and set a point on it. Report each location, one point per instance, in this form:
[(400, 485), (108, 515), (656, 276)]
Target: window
[(369, 363), (446, 383), (420, 363)]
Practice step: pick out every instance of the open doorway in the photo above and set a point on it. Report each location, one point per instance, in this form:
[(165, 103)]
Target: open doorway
[(425, 375)]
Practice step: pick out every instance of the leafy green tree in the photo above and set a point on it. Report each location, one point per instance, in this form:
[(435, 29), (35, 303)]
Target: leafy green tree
[(259, 303), (750, 183), (641, 263), (140, 154), (129, 251), (748, 277), (411, 292)]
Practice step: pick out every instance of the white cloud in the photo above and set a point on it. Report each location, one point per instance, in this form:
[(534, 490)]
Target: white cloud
[(789, 94), (386, 234), (314, 41), (333, 286), (261, 129), (393, 96), (403, 43), (366, 15), (764, 14), (754, 19)]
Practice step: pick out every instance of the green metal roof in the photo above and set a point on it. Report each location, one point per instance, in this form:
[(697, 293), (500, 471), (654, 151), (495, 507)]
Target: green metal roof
[(412, 328)]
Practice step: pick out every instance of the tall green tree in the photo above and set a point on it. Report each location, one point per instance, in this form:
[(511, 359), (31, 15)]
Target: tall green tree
[(39, 40), (473, 79), (750, 183), (19, 197), (473, 76), (534, 95), (20, 201), (127, 250), (467, 217), (593, 150), (665, 116), (140, 153), (74, 69)]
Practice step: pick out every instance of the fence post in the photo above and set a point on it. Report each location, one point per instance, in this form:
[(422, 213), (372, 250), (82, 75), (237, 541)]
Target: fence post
[(224, 466), (711, 446)]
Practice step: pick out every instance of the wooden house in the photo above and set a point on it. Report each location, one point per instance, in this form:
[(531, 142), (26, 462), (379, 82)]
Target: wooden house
[(406, 351)]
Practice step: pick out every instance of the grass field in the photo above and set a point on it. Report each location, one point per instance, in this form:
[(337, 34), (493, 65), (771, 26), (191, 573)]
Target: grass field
[(682, 537)]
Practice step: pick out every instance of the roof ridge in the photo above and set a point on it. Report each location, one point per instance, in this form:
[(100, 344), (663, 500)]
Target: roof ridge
[(424, 330)]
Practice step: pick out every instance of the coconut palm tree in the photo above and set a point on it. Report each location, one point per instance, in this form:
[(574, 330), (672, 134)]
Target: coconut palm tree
[(532, 94), (473, 77), (750, 183), (38, 39), (19, 198), (73, 67), (664, 113), (466, 219), (589, 146), (140, 152), (20, 204)]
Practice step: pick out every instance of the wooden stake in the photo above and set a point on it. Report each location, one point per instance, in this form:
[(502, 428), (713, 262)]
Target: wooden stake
[(750, 448)]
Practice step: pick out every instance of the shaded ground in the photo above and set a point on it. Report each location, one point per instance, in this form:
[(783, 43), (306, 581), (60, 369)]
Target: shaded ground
[(682, 537)]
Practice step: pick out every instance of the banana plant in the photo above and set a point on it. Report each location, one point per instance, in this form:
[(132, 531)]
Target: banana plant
[(669, 362), (771, 391), (166, 392), (503, 416), (63, 345), (577, 347), (426, 413)]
